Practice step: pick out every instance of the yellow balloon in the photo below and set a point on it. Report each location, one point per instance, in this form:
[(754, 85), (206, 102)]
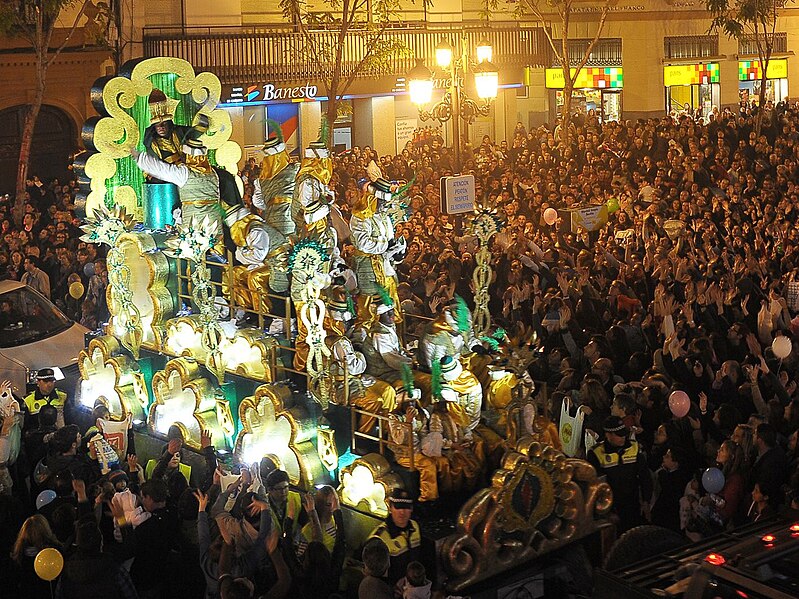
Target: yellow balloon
[(48, 564), (76, 290)]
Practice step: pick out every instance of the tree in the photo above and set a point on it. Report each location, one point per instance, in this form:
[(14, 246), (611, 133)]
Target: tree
[(745, 20), (541, 10), (325, 34), (35, 21)]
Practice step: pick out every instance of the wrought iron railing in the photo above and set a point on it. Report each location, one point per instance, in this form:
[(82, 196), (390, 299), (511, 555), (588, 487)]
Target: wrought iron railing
[(748, 45), (278, 54), (690, 46), (606, 53)]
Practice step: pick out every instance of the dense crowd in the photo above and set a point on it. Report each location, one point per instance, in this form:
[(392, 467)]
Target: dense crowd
[(46, 253), (659, 333)]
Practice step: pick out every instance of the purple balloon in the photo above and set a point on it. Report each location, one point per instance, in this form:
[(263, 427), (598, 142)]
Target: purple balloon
[(679, 403)]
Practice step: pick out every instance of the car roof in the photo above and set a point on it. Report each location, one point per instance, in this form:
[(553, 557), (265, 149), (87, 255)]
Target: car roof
[(9, 285)]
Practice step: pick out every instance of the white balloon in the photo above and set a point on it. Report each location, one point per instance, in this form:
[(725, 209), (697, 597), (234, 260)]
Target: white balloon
[(782, 347)]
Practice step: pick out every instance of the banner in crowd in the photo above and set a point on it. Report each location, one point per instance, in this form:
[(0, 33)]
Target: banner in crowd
[(591, 218)]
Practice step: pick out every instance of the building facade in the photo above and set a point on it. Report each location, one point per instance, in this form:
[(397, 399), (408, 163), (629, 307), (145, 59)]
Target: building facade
[(653, 57)]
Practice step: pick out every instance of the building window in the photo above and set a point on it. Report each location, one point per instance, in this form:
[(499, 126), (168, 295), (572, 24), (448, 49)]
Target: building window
[(690, 46), (606, 52), (748, 45)]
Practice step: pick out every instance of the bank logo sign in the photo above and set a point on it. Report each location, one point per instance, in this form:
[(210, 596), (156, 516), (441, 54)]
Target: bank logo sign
[(269, 92)]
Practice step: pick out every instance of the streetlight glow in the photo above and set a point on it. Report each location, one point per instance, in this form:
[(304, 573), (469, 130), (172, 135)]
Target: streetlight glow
[(486, 80), (485, 52), (444, 54), (420, 84)]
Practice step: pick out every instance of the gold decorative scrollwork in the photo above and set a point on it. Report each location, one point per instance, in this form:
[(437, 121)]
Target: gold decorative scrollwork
[(538, 501), (270, 427)]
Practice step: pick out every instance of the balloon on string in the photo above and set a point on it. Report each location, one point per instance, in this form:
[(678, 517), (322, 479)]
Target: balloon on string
[(44, 498), (48, 564), (550, 216), (679, 403), (713, 480), (613, 205), (76, 290), (782, 347)]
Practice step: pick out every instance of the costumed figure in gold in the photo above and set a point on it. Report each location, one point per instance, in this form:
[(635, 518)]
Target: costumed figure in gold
[(376, 249), (434, 474), (164, 140), (197, 182), (384, 353), (262, 252), (449, 429), (274, 187), (311, 207), (365, 391)]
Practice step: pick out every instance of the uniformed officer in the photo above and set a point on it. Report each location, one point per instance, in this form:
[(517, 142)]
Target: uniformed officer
[(403, 537), (44, 395), (623, 463)]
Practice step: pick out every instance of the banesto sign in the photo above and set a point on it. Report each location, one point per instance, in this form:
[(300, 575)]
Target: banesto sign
[(270, 92)]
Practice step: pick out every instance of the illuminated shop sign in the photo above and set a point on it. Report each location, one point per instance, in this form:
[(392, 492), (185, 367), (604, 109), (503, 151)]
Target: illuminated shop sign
[(751, 70), (269, 92), (589, 77), (691, 74)]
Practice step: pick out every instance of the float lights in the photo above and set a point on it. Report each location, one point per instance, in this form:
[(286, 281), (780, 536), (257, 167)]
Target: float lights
[(715, 559)]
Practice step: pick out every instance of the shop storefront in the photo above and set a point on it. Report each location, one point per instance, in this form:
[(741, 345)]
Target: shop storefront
[(750, 78), (596, 88), (692, 88)]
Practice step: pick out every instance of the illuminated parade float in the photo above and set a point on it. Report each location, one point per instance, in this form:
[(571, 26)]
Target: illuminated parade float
[(259, 326)]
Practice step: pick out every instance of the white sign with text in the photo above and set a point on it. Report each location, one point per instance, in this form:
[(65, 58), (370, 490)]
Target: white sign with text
[(459, 194), (404, 129)]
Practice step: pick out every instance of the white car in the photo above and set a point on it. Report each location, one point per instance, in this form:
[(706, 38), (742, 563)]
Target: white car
[(35, 334)]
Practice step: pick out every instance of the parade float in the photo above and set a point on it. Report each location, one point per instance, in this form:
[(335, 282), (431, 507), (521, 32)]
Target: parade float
[(210, 329)]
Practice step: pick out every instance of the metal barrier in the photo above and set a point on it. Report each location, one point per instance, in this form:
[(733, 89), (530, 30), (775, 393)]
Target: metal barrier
[(380, 439)]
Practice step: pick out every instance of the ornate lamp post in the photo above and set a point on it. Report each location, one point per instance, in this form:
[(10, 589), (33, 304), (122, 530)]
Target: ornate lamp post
[(456, 105)]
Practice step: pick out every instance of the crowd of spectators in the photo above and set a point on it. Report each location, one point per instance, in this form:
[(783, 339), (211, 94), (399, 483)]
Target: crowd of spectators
[(46, 253), (684, 288)]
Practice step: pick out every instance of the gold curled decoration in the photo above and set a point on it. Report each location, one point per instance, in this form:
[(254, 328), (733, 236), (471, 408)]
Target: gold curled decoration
[(106, 373), (126, 314), (326, 447), (538, 501), (313, 316), (115, 135), (482, 279), (183, 398), (271, 425), (138, 279), (483, 225), (367, 483)]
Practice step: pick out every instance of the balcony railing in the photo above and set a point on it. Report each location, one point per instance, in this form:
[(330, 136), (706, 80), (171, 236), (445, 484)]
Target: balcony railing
[(748, 45), (280, 54), (691, 46)]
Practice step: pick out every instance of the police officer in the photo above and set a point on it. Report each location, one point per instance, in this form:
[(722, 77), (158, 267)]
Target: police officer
[(403, 537), (45, 395), (623, 463)]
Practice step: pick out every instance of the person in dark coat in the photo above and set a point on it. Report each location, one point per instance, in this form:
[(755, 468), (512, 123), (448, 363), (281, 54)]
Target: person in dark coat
[(770, 467), (91, 574), (151, 541), (672, 478)]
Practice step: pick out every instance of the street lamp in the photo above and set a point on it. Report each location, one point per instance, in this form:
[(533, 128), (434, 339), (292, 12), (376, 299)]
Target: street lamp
[(420, 84), (456, 105)]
